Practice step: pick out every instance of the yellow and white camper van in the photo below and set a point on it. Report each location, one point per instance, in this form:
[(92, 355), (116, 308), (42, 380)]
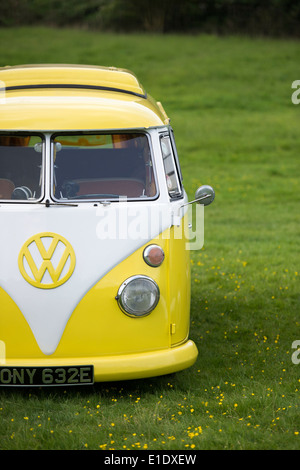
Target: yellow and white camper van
[(94, 281)]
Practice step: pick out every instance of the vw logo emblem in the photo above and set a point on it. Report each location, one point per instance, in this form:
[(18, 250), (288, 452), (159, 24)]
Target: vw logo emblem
[(46, 260)]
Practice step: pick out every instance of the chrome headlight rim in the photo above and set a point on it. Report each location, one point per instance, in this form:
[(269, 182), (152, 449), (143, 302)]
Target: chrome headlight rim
[(121, 291)]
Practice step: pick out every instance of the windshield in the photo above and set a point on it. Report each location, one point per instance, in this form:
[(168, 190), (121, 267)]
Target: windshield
[(97, 166), (20, 167)]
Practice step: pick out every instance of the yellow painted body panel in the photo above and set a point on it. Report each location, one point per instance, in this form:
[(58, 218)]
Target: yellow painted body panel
[(180, 283), (71, 108), (99, 333), (15, 331), (77, 74)]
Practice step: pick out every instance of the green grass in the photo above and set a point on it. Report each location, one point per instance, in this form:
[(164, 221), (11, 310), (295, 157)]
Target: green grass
[(236, 128)]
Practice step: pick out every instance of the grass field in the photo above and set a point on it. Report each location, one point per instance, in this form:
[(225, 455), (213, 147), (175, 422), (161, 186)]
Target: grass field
[(229, 99)]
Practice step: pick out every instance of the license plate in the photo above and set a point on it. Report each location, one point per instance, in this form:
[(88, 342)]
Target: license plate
[(46, 376)]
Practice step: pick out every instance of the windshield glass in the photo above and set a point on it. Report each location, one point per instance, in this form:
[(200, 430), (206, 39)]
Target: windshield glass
[(20, 167), (97, 166)]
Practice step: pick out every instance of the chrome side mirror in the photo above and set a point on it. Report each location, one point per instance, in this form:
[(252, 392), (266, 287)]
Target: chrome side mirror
[(204, 195)]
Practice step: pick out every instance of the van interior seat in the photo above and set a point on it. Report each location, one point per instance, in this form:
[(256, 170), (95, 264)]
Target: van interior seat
[(6, 188), (120, 186)]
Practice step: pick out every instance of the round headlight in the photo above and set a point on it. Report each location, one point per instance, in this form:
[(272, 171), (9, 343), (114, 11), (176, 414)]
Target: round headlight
[(138, 296)]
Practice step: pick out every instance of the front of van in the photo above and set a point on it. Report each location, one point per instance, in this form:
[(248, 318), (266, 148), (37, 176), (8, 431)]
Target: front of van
[(94, 278)]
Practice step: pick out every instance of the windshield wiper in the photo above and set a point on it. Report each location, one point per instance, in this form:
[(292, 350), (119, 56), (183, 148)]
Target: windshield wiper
[(95, 196), (48, 203)]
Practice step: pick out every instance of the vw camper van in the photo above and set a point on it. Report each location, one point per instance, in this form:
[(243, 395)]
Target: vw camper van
[(94, 257)]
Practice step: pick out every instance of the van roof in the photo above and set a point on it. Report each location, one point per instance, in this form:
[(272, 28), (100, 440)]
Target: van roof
[(74, 97)]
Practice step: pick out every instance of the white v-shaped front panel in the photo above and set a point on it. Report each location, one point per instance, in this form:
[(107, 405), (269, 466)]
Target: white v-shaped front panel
[(100, 237)]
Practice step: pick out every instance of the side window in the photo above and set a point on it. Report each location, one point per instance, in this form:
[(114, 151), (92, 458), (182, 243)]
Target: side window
[(175, 154), (172, 179)]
